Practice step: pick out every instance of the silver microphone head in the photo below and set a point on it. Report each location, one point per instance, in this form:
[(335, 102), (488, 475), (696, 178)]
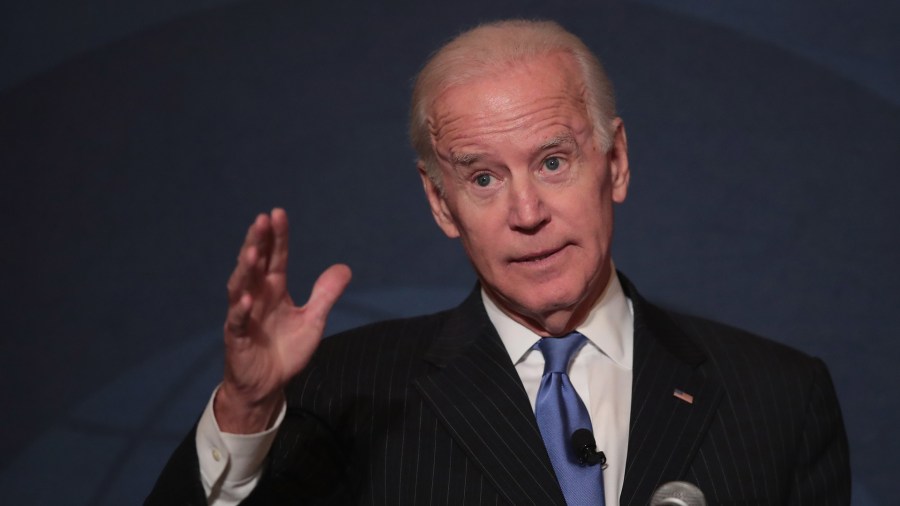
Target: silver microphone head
[(678, 493)]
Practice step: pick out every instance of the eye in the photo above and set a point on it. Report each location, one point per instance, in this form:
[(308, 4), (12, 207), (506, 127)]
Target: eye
[(483, 180), (551, 163)]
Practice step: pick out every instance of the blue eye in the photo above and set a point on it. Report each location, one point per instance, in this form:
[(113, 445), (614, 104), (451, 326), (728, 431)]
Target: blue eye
[(483, 180), (551, 163)]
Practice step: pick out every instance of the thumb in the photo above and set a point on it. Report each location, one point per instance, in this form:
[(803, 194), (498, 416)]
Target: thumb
[(326, 291)]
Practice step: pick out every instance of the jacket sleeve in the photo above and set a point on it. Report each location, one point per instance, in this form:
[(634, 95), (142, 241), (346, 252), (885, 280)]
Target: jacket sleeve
[(822, 467), (179, 483), (305, 466)]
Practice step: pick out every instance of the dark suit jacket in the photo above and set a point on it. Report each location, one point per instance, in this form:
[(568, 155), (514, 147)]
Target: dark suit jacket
[(430, 410)]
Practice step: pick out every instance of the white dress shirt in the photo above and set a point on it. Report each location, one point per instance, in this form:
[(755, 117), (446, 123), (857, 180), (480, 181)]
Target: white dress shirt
[(600, 372), (231, 464)]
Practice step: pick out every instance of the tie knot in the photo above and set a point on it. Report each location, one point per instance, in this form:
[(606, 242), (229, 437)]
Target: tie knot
[(558, 351)]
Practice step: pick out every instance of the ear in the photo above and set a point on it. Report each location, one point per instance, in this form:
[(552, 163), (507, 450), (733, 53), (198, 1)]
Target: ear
[(439, 209), (617, 158)]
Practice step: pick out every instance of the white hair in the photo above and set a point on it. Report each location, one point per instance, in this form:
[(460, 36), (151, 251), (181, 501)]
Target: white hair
[(492, 48)]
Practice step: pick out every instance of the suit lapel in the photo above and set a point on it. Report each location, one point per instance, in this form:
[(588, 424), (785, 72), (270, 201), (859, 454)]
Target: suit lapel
[(477, 394), (666, 430), (475, 391)]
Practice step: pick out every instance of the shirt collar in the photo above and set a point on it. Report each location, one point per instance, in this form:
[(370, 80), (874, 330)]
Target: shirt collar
[(609, 326)]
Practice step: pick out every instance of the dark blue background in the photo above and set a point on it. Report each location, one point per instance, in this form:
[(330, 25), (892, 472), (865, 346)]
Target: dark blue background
[(138, 141)]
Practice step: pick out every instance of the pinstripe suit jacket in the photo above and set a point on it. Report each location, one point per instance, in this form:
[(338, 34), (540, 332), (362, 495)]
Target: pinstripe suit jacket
[(430, 410)]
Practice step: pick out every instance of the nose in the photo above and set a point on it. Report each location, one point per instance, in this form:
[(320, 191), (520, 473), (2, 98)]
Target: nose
[(527, 211)]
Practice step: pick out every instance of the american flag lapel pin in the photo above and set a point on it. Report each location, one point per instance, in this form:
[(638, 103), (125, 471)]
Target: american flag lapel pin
[(684, 396)]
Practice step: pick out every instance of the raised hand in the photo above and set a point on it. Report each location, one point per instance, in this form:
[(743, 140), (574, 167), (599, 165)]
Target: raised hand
[(268, 339)]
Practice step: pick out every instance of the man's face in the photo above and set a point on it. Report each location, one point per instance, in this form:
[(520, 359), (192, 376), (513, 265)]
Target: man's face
[(528, 189)]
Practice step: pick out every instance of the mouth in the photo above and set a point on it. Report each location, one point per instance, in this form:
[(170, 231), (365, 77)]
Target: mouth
[(538, 256)]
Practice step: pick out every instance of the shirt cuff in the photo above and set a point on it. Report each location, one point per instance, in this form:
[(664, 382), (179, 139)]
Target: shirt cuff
[(230, 463)]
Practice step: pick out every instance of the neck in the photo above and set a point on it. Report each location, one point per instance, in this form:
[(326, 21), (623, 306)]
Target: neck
[(557, 322)]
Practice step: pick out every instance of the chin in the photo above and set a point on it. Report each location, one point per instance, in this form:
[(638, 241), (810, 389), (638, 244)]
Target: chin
[(543, 305)]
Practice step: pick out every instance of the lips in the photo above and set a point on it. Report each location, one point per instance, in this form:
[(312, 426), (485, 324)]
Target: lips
[(537, 256)]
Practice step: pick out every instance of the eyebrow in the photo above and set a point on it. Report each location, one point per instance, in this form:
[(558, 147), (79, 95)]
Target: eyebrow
[(468, 159), (465, 159), (557, 141)]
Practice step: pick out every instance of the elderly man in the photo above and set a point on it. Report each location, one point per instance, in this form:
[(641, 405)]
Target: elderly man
[(522, 158)]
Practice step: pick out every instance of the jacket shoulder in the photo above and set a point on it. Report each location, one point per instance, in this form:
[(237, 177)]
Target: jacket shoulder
[(726, 344), (371, 360), (396, 338)]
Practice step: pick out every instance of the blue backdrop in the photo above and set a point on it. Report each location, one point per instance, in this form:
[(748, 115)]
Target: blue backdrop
[(138, 141)]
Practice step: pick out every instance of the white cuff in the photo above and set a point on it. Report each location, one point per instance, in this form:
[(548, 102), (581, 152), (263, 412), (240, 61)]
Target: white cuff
[(231, 464)]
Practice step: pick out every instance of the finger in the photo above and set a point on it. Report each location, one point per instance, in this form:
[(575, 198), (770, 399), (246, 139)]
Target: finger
[(325, 293), (241, 279), (258, 237), (278, 258), (248, 258), (238, 317), (258, 228), (263, 241)]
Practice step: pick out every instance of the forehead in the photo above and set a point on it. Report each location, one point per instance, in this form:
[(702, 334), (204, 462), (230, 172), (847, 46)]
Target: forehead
[(542, 96)]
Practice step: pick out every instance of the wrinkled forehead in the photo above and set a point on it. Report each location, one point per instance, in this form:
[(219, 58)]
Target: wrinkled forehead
[(556, 69), (510, 96)]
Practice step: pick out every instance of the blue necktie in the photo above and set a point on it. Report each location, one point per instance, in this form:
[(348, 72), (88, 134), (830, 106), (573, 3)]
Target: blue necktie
[(560, 413)]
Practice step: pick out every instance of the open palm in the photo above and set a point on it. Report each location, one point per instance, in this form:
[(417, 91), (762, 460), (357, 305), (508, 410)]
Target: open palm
[(268, 339)]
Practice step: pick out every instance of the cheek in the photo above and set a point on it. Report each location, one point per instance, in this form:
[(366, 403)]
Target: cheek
[(591, 220), (483, 242), (483, 236), (480, 220)]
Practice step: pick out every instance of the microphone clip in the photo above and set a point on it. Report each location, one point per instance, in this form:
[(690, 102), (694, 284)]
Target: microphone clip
[(586, 449)]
